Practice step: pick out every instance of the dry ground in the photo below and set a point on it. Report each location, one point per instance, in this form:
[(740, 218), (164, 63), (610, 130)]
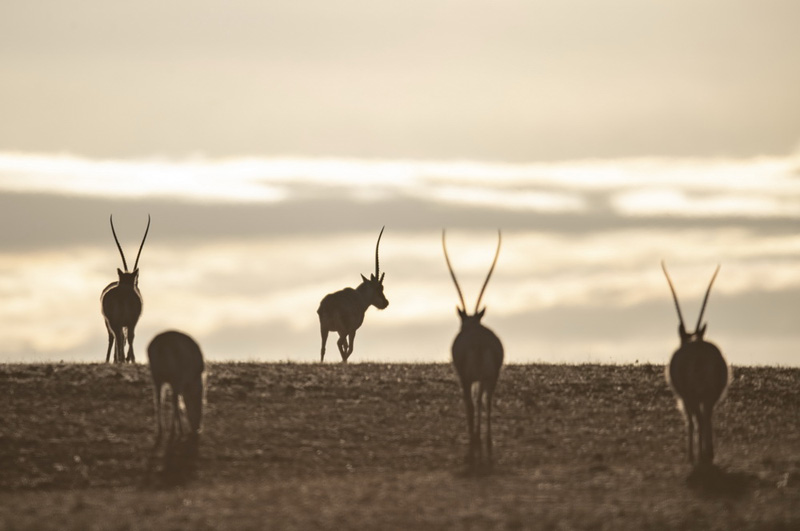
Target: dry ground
[(374, 446)]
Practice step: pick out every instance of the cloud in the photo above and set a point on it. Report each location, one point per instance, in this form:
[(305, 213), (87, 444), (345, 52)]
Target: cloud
[(758, 187)]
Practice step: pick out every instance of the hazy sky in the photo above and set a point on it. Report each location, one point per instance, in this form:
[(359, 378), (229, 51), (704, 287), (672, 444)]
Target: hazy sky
[(270, 141), (509, 81)]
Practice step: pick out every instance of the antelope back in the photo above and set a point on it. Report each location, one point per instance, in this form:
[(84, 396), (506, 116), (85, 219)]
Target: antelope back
[(477, 352)]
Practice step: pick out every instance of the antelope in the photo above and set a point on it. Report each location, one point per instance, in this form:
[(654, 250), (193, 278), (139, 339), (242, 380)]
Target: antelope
[(698, 375), (177, 363), (477, 358), (121, 304), (343, 311)]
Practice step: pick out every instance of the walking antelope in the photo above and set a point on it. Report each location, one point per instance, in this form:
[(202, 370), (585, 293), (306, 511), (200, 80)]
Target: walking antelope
[(121, 303), (343, 311), (698, 375), (477, 357), (177, 363)]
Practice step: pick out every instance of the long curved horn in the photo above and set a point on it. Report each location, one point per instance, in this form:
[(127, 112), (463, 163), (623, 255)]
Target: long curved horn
[(705, 300), (494, 262), (453, 275), (377, 263), (136, 264), (674, 296), (124, 263)]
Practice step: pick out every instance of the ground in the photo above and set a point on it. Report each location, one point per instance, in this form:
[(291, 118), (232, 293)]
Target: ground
[(379, 446)]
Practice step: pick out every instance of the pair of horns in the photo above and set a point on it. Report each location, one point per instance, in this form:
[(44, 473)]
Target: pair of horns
[(124, 263), (675, 296), (453, 275), (377, 263)]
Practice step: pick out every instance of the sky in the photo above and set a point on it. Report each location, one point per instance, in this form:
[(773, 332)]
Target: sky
[(271, 141)]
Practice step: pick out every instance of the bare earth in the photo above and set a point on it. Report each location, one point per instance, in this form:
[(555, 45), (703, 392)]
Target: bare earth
[(373, 446)]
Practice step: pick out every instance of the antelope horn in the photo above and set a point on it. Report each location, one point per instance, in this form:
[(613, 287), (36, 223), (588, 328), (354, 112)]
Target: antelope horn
[(674, 296), (124, 263), (135, 265), (705, 300), (377, 263), (491, 269), (453, 275)]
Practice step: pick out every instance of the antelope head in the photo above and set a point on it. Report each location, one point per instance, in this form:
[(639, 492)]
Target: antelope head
[(372, 288), (475, 319), (699, 331), (126, 277)]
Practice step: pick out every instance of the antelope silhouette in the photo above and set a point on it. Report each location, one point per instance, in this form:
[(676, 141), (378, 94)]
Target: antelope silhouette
[(698, 375), (477, 358), (121, 304), (176, 363), (343, 311)]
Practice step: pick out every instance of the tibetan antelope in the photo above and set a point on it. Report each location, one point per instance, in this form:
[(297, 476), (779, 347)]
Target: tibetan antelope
[(177, 363), (698, 375), (343, 311), (477, 357), (121, 303)]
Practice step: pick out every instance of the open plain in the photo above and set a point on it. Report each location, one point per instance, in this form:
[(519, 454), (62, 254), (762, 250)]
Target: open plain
[(379, 446)]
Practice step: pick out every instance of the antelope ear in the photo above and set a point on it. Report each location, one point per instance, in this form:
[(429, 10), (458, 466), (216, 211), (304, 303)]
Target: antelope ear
[(119, 271), (480, 313), (702, 331), (136, 272), (461, 313), (363, 278), (372, 277), (383, 275)]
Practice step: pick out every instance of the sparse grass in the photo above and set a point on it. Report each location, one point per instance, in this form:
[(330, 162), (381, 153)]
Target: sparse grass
[(374, 446)]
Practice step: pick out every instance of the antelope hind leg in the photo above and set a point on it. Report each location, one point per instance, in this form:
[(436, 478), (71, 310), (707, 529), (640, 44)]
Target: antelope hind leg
[(110, 342), (489, 425), (324, 334), (350, 339), (131, 357), (342, 344), (470, 409)]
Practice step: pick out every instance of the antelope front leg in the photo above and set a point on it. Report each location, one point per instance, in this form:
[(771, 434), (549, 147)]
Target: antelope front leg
[(176, 419)]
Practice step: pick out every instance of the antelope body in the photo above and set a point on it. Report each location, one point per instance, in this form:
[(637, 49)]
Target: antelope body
[(121, 304), (343, 311), (477, 358), (176, 362), (698, 375)]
